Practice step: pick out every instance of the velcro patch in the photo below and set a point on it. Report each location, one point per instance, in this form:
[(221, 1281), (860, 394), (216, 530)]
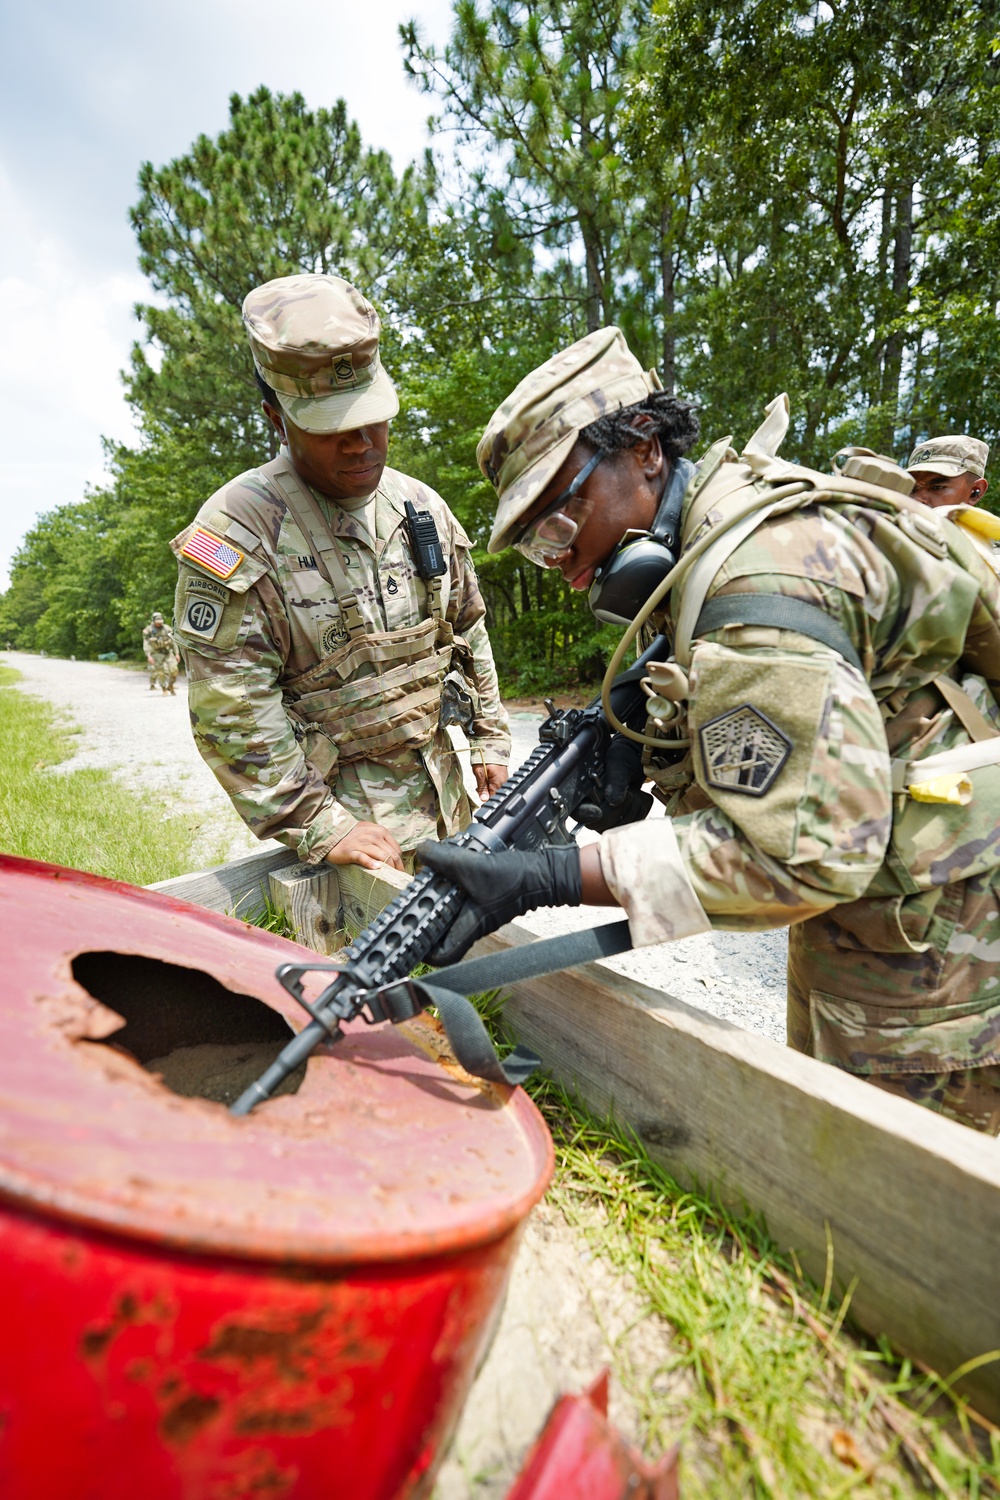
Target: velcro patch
[(202, 617), (199, 585), (211, 553), (743, 751)]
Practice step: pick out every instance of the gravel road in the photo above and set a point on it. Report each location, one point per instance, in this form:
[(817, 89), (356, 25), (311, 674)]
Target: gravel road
[(144, 738)]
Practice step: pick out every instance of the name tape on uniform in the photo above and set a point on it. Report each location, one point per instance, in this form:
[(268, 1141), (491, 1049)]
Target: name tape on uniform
[(209, 552)]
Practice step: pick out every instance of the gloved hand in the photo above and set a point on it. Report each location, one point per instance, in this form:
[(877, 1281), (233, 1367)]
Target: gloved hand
[(499, 887), (622, 801)]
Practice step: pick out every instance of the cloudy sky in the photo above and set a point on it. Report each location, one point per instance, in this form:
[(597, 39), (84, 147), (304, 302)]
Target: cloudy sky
[(90, 91)]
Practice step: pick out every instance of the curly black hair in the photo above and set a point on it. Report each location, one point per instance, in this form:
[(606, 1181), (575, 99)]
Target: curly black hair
[(674, 422), (269, 394)]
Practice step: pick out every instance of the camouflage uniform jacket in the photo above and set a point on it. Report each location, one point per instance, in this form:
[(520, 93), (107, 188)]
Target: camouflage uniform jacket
[(258, 616), (791, 802), (158, 641)]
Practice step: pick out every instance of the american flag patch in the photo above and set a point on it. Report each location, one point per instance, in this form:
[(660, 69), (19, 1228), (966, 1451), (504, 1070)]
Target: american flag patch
[(218, 557)]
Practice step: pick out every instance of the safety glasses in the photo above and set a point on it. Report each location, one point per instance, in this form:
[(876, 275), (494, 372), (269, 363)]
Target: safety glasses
[(555, 530)]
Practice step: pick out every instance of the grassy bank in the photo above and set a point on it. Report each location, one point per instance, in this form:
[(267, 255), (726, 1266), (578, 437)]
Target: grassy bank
[(84, 819)]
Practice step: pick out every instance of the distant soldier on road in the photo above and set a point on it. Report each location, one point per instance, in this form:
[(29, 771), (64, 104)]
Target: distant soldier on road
[(160, 651), (328, 609)]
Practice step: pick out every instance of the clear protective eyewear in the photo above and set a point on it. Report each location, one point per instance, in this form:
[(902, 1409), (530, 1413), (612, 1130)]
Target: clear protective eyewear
[(554, 532)]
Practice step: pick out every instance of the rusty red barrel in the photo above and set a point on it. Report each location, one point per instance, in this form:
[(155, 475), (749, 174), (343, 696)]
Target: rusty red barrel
[(197, 1307)]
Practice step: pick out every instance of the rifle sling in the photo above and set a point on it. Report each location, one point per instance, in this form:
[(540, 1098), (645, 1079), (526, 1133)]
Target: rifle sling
[(469, 1039)]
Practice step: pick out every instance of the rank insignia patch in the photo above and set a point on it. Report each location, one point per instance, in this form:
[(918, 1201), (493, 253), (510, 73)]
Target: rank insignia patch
[(743, 751), (209, 552)]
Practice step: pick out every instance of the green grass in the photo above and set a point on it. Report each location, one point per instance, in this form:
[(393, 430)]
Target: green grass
[(83, 819)]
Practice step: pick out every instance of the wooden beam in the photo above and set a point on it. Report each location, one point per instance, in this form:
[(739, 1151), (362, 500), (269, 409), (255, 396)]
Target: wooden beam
[(908, 1201), (364, 894), (236, 888)]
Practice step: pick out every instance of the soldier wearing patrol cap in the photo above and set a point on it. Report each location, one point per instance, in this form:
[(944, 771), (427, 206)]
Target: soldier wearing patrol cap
[(949, 470), (328, 610), (949, 474), (824, 733)]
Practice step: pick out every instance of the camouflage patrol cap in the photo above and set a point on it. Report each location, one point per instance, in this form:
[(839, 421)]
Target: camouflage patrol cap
[(314, 340), (156, 616), (530, 436), (950, 455)]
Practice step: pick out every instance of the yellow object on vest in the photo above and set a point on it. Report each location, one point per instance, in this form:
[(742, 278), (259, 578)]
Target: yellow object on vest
[(954, 789)]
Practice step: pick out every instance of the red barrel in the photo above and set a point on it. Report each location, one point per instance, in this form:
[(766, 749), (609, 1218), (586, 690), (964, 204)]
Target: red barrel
[(203, 1308)]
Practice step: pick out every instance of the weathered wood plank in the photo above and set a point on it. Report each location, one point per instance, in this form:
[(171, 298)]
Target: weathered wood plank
[(309, 896), (236, 887), (911, 1200), (363, 894)]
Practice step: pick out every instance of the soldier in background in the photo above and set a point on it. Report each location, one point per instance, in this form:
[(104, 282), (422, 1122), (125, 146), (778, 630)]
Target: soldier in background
[(949, 471), (160, 652), (829, 751), (950, 476), (328, 647)]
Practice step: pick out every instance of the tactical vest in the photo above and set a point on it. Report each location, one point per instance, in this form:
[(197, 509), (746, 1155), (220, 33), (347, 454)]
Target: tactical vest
[(729, 501), (380, 691)]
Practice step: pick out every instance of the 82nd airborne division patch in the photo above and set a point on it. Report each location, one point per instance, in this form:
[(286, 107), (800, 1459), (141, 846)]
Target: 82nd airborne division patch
[(743, 751)]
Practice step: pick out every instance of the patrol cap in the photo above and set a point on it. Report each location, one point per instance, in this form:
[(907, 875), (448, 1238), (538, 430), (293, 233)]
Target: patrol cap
[(156, 616), (314, 340), (530, 436), (951, 455)]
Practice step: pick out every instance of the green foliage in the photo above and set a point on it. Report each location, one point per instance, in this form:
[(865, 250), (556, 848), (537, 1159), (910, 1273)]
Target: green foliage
[(765, 196), (83, 819)]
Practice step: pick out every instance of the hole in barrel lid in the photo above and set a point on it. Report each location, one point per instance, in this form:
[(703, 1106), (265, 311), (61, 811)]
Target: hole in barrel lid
[(203, 1040)]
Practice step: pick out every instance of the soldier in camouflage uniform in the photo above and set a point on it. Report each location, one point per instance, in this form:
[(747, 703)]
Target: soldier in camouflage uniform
[(949, 474), (832, 708), (160, 651), (324, 670)]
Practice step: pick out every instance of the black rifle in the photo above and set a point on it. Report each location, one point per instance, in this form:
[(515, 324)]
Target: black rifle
[(565, 772)]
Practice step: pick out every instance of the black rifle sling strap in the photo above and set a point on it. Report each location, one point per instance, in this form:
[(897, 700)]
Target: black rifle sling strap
[(447, 989)]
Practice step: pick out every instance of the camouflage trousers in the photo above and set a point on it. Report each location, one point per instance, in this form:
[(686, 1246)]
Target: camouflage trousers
[(905, 992), (163, 669)]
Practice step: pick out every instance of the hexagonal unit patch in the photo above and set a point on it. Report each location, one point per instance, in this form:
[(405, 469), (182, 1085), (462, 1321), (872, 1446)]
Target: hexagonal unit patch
[(743, 751)]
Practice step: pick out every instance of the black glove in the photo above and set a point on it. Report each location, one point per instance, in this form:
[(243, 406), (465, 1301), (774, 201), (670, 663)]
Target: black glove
[(622, 800), (499, 887)]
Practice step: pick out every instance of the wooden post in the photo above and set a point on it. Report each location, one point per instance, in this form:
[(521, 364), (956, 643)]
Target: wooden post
[(309, 897)]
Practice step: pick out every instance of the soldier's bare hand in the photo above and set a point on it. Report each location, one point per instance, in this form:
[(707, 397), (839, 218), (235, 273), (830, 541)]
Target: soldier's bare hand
[(367, 845), (489, 779)]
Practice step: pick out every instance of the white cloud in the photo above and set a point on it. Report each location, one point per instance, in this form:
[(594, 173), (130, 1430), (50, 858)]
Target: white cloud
[(66, 336), (89, 93)]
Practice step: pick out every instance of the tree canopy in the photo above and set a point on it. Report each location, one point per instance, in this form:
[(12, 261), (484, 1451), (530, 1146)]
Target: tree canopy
[(799, 195)]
